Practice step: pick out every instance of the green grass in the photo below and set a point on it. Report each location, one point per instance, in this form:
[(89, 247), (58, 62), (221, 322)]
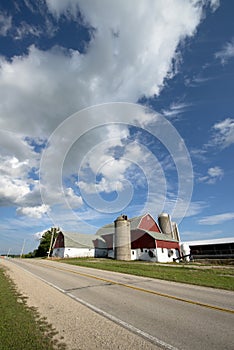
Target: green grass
[(21, 327), (209, 277)]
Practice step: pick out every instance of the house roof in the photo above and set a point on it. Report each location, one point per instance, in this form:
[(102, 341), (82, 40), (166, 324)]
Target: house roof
[(82, 240)]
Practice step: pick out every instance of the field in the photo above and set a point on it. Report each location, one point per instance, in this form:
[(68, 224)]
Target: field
[(209, 276), (20, 326)]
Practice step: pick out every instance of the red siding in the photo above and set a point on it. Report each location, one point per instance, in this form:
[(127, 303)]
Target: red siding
[(109, 240), (168, 245), (59, 241), (148, 223), (141, 239)]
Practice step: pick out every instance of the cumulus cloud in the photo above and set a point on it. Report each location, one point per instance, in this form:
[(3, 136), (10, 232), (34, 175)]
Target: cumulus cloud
[(217, 219), (123, 61), (17, 160), (12, 190), (73, 200), (226, 53), (34, 212), (213, 175), (114, 68)]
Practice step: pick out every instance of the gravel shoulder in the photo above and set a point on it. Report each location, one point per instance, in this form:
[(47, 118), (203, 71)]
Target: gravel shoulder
[(77, 326)]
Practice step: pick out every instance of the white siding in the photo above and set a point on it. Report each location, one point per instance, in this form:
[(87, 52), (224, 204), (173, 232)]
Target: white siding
[(79, 252), (143, 254), (167, 255), (73, 252), (160, 254)]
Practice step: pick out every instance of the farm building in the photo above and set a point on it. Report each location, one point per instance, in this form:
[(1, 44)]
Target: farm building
[(139, 238), (71, 245), (221, 248), (147, 240)]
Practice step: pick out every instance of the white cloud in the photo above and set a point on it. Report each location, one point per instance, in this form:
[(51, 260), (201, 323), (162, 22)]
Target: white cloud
[(17, 160), (15, 145), (24, 29), (175, 109), (217, 219), (38, 235), (73, 200), (216, 172), (12, 190), (213, 174), (194, 208), (41, 88), (114, 68), (33, 212), (224, 133), (226, 53), (11, 166), (5, 24), (214, 5)]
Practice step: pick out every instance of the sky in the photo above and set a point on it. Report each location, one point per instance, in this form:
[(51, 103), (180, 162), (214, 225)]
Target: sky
[(110, 107)]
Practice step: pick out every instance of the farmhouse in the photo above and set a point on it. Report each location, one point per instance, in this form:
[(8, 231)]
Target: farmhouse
[(139, 238)]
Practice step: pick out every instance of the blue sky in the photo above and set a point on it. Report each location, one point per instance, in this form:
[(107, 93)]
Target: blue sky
[(111, 107)]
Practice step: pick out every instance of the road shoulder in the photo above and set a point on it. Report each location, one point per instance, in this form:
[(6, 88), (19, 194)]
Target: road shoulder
[(77, 326)]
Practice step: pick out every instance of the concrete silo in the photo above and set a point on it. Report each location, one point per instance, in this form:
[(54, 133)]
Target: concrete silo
[(165, 224), (122, 238), (175, 231)]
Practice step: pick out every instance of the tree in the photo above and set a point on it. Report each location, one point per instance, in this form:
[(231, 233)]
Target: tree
[(45, 241)]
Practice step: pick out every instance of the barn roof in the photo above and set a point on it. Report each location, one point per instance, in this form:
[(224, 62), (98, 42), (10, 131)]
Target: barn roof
[(160, 236), (82, 240), (110, 228)]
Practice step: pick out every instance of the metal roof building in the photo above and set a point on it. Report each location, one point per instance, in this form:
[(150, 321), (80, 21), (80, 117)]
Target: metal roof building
[(221, 248)]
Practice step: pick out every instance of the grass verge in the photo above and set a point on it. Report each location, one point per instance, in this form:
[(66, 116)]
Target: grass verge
[(210, 277), (21, 327)]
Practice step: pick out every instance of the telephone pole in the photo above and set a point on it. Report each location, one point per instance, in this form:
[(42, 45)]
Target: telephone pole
[(22, 250), (53, 230)]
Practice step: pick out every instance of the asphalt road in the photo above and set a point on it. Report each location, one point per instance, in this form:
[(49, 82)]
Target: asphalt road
[(170, 315)]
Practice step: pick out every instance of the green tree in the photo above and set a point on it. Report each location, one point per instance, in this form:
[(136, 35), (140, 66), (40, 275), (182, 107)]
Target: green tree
[(45, 240)]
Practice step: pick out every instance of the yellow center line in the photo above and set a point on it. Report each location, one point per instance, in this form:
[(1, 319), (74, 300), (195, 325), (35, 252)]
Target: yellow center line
[(142, 289)]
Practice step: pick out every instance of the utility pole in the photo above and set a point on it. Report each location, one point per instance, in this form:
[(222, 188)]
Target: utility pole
[(53, 229), (22, 248)]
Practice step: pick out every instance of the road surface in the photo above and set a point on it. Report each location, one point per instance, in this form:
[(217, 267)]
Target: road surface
[(166, 314)]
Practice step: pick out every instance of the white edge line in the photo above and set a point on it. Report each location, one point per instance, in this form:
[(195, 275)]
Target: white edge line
[(118, 321)]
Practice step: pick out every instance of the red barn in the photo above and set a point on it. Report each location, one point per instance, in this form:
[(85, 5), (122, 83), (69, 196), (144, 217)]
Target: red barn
[(148, 242)]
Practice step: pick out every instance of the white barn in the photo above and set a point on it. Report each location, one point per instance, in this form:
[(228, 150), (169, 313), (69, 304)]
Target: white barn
[(71, 245)]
